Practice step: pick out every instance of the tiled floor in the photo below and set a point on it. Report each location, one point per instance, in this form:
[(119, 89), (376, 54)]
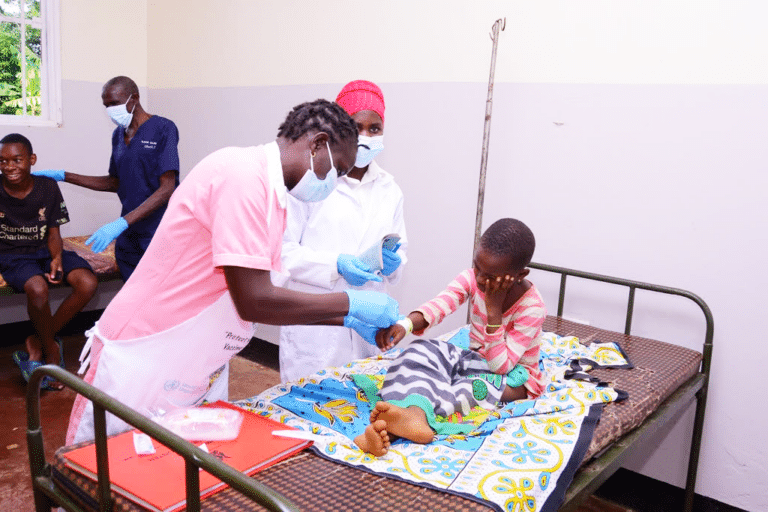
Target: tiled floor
[(254, 370)]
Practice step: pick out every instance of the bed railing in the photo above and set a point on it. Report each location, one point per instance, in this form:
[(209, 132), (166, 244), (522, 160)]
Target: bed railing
[(47, 494), (696, 386)]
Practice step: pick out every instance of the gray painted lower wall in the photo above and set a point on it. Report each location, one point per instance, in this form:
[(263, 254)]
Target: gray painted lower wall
[(664, 184), (658, 183)]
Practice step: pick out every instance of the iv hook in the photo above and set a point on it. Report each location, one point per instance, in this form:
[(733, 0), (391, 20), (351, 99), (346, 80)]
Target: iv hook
[(503, 22)]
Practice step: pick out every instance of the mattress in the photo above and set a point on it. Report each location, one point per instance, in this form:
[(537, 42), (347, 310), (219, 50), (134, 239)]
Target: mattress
[(316, 484)]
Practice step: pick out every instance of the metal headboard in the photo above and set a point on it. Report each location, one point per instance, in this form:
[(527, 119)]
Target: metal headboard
[(696, 386)]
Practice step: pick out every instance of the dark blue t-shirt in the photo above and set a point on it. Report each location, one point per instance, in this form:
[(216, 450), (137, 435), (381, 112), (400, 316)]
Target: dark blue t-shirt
[(153, 150)]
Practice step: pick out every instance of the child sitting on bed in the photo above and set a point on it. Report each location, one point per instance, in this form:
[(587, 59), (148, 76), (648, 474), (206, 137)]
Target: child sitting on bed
[(433, 377), (32, 255)]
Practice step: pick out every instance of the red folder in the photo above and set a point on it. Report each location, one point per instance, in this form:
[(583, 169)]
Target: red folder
[(157, 481)]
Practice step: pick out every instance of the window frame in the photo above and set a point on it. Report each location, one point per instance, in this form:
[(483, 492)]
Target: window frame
[(50, 80)]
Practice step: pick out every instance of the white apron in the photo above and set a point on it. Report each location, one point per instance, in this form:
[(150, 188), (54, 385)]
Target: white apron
[(179, 367)]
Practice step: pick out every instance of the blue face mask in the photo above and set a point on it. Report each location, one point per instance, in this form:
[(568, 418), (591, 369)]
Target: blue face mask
[(311, 189), (367, 149), (120, 115)]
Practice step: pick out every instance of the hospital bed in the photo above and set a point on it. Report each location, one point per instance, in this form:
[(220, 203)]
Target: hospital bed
[(665, 381)]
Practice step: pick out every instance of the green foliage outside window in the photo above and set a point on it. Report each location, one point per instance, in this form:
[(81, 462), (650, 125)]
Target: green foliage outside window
[(12, 51)]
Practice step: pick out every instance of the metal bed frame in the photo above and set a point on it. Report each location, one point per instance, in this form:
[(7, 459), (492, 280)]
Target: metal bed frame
[(47, 494), (589, 477), (593, 474)]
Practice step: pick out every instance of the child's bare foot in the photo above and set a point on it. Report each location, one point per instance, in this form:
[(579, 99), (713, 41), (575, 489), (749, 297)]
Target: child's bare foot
[(375, 439), (409, 422)]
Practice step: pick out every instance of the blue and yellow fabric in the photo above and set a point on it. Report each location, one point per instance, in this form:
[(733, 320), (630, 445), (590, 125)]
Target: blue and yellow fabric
[(520, 457)]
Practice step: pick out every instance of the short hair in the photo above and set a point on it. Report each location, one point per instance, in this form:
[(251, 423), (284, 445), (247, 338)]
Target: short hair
[(17, 138), (512, 238), (124, 83), (319, 115)]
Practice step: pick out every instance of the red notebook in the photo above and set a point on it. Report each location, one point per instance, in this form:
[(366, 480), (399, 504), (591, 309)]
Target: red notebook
[(157, 481)]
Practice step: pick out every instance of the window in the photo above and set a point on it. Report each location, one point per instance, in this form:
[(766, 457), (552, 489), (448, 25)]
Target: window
[(30, 84)]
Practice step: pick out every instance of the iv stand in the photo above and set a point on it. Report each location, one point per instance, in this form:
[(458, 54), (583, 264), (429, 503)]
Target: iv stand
[(498, 26)]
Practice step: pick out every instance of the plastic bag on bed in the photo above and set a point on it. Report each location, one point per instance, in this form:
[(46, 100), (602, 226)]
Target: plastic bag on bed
[(202, 423)]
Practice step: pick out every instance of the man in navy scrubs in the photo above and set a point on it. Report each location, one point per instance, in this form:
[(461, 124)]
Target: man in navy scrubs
[(143, 170)]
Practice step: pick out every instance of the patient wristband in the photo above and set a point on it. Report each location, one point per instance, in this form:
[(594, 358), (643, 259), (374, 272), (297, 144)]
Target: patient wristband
[(407, 324)]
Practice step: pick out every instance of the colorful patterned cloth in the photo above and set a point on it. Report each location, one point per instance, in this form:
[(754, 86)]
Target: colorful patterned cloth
[(521, 457)]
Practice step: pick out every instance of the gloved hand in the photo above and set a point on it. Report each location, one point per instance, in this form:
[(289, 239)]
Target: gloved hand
[(367, 331), (106, 233), (375, 308), (391, 260), (57, 174), (354, 270)]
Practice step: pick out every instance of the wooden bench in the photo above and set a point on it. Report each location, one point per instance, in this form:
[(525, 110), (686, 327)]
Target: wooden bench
[(103, 264)]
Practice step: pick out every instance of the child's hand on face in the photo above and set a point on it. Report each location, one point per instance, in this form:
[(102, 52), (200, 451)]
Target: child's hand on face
[(495, 293), (390, 336)]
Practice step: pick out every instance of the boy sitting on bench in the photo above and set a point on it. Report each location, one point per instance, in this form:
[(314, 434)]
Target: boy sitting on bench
[(31, 254)]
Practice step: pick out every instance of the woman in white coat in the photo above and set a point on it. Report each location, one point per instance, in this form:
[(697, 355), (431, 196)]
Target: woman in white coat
[(322, 241)]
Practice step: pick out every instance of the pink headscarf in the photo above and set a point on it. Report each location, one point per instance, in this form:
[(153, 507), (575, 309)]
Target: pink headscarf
[(361, 95)]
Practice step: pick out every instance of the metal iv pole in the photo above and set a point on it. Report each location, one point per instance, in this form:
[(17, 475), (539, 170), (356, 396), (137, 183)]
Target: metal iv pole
[(498, 26)]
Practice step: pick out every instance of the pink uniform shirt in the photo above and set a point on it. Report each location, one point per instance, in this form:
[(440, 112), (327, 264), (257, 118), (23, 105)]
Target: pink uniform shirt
[(229, 211)]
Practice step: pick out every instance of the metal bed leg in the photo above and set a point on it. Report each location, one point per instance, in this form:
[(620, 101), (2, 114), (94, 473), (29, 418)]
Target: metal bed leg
[(35, 446), (37, 467), (701, 404), (693, 460)]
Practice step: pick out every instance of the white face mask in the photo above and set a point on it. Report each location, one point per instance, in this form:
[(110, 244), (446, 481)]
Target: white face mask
[(120, 115), (311, 189), (367, 149)]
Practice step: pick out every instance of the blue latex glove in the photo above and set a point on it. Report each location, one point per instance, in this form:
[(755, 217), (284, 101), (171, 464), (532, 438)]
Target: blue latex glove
[(367, 331), (375, 308), (391, 259), (57, 174), (354, 270), (106, 233)]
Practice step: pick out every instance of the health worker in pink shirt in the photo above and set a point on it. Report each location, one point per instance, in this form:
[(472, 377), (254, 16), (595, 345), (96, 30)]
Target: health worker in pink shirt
[(166, 338)]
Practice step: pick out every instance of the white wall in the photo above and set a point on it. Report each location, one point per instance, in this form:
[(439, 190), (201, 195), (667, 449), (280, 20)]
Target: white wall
[(628, 135), (662, 184), (237, 43), (104, 38), (625, 133)]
